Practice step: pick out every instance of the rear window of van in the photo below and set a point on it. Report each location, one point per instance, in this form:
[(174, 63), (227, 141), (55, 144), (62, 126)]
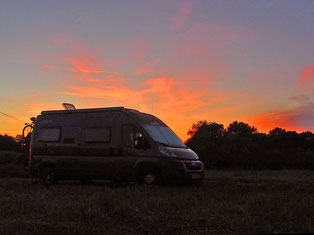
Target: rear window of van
[(51, 134)]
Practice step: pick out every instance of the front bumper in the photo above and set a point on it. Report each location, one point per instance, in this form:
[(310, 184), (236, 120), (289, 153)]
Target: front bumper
[(183, 170)]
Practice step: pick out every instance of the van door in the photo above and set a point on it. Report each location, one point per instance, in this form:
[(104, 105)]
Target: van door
[(68, 151), (125, 164), (97, 160)]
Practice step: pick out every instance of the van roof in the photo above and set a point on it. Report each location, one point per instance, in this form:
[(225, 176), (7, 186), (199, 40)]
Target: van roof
[(120, 108)]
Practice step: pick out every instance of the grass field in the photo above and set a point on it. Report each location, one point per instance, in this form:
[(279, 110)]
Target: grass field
[(13, 164), (228, 202)]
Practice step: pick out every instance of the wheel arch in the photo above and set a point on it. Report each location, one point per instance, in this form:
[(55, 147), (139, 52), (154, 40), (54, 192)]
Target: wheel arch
[(141, 167)]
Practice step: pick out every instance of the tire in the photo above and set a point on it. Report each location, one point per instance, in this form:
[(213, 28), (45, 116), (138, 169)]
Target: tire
[(150, 176), (48, 175), (27, 131)]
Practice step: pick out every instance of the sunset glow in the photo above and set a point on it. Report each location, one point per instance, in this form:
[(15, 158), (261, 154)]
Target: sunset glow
[(183, 61)]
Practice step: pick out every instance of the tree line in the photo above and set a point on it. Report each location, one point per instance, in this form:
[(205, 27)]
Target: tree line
[(10, 143), (237, 146), (242, 146)]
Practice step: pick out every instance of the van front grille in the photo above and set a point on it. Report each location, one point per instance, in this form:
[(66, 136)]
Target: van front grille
[(192, 165)]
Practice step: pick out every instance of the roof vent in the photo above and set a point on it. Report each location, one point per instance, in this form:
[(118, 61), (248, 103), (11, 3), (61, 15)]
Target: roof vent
[(68, 106)]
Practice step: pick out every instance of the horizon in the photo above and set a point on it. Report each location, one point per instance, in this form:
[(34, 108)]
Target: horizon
[(189, 135), (182, 61)]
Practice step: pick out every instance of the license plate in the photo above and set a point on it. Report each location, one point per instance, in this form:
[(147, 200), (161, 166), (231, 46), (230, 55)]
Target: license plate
[(196, 176)]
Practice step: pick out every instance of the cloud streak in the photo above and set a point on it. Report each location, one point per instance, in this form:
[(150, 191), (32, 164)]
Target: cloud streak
[(140, 49), (307, 75), (300, 119), (184, 11)]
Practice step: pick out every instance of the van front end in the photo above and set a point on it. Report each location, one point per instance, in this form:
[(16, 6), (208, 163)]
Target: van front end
[(176, 170), (180, 165)]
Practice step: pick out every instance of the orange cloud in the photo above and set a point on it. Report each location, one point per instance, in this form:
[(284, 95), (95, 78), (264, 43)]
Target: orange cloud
[(112, 93), (177, 101), (85, 64), (167, 93), (181, 16), (165, 97), (86, 67)]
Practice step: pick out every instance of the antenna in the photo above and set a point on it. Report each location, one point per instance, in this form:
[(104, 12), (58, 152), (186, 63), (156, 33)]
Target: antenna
[(12, 117)]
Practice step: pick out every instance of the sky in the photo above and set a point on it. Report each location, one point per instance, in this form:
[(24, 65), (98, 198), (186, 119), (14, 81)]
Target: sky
[(182, 61)]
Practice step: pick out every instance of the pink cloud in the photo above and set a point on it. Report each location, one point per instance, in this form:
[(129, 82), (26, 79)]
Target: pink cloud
[(87, 79), (140, 49), (48, 66), (299, 119), (307, 75), (87, 71), (182, 15), (143, 70), (86, 66)]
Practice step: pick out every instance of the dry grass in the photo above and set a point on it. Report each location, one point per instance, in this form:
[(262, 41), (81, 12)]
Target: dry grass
[(13, 164), (228, 202), (10, 157)]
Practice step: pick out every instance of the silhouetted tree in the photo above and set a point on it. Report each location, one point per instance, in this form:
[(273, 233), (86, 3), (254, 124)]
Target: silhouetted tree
[(277, 131), (9, 143), (307, 135), (206, 141), (240, 129), (196, 127)]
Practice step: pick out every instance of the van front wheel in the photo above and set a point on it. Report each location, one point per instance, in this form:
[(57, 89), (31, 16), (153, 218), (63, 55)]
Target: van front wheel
[(150, 176), (48, 175)]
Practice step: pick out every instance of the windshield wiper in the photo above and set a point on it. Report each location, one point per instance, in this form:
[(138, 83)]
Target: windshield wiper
[(163, 144)]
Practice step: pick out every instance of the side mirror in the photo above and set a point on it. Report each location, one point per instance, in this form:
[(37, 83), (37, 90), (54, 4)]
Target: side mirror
[(141, 142)]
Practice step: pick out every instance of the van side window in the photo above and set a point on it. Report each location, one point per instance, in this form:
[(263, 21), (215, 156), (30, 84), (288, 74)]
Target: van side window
[(49, 134), (98, 135)]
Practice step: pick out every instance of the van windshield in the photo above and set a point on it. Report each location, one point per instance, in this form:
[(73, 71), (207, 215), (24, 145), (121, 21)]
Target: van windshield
[(164, 135)]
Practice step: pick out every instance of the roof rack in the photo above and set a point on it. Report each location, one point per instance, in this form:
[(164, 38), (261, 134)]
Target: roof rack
[(82, 110)]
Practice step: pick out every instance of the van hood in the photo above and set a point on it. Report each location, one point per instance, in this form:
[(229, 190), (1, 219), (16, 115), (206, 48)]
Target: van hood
[(178, 153)]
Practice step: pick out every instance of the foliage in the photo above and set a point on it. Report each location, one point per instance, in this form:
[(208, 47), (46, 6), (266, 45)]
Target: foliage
[(240, 129), (9, 143), (241, 146)]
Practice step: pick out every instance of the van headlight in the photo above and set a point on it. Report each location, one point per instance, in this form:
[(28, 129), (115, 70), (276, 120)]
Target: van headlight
[(167, 152)]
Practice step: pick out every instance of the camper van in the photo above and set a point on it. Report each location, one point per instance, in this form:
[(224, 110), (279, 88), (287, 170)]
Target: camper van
[(116, 144)]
